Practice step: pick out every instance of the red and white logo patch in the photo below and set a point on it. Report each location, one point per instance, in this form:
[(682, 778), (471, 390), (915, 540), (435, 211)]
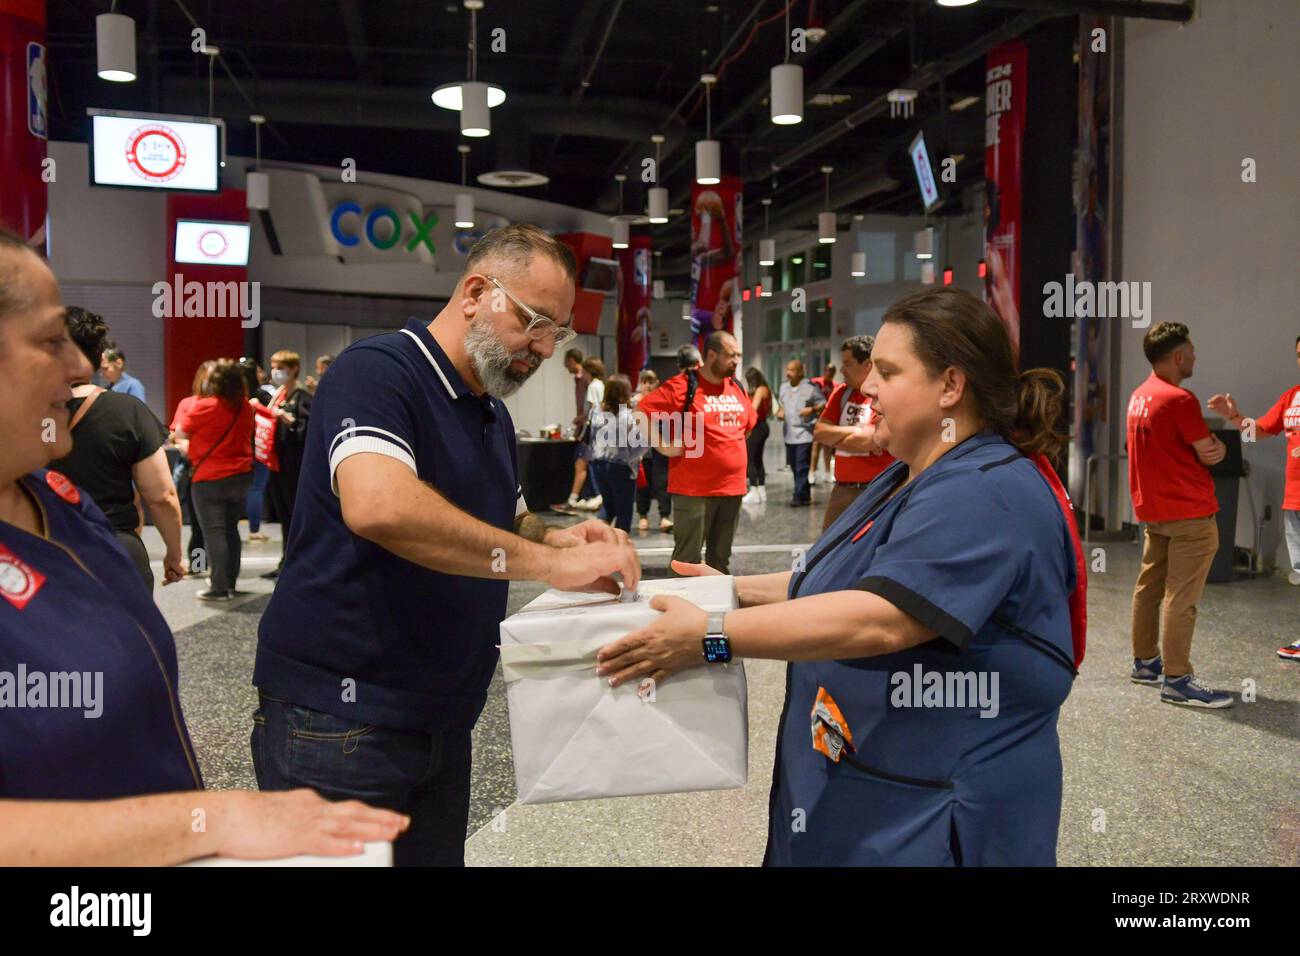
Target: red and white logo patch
[(61, 486), (19, 581)]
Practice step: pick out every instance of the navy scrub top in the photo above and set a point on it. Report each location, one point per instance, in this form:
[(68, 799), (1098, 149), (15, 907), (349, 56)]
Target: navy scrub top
[(977, 549), (74, 602)]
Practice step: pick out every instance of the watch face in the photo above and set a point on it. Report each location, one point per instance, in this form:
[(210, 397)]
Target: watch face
[(717, 650)]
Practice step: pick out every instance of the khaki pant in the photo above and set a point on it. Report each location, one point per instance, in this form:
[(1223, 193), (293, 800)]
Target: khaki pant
[(841, 497), (1175, 562), (705, 523)]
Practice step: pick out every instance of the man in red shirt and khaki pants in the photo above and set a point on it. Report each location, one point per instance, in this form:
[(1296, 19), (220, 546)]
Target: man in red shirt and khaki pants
[(1170, 449)]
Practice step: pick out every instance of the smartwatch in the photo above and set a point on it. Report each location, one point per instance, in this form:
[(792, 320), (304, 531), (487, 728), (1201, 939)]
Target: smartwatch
[(717, 649)]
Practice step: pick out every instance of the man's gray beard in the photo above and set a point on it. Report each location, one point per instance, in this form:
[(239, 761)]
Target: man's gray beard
[(490, 359)]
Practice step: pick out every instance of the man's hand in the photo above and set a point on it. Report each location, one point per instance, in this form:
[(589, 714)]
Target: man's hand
[(588, 567), (173, 568), (588, 532), (1225, 405)]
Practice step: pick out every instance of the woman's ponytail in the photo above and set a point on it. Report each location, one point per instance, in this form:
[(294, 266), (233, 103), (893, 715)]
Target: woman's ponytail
[(1040, 395)]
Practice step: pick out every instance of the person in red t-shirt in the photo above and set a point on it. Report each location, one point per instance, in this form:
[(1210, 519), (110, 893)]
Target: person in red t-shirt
[(706, 451), (847, 427), (1283, 416), (219, 428), (1170, 449)]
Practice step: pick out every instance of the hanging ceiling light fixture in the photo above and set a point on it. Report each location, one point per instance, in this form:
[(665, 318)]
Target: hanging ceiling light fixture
[(658, 195), (766, 245), (858, 269), (464, 201), (787, 85), (923, 243), (115, 46), (686, 311), (257, 185), (474, 100), (622, 228), (708, 151), (826, 219), (658, 285)]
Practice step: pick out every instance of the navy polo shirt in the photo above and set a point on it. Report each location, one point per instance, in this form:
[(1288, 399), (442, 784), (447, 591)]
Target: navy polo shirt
[(89, 703), (352, 629)]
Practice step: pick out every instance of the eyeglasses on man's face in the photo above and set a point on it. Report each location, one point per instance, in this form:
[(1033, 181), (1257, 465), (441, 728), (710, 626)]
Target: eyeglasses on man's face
[(539, 327)]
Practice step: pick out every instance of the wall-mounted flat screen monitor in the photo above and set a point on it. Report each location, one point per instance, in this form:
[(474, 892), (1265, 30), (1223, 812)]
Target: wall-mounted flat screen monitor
[(925, 177), (155, 151), (212, 243), (600, 275)]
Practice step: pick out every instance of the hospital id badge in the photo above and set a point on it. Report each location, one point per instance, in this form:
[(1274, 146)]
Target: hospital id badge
[(830, 731)]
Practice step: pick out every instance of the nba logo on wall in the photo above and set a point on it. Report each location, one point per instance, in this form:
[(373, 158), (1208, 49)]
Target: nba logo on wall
[(37, 116), (155, 152)]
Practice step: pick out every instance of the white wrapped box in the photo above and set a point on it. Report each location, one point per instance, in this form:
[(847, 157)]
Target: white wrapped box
[(574, 737)]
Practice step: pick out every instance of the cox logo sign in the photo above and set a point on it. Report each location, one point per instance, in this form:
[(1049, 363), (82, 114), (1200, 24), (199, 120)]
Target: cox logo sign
[(346, 218)]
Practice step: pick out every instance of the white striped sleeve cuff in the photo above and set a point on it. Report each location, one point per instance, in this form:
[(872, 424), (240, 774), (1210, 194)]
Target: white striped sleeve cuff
[(354, 441), (521, 506)]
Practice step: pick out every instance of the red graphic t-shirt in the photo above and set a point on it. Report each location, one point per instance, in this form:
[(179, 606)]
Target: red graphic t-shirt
[(1166, 480), (849, 409), (718, 467), (1285, 416)]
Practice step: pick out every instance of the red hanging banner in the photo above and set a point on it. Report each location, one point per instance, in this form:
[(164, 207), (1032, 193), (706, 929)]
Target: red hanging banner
[(634, 307), (715, 257), (1006, 75), (24, 118)]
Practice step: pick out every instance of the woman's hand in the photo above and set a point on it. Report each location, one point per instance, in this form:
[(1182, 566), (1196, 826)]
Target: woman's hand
[(671, 644), (693, 570), (265, 825), (173, 568)]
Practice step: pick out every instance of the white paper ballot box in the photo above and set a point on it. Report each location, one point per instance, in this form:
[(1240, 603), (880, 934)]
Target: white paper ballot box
[(575, 737)]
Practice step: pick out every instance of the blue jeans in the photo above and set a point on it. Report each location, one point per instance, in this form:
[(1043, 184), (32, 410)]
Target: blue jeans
[(798, 457), (1291, 521), (617, 488), (253, 506), (422, 774)]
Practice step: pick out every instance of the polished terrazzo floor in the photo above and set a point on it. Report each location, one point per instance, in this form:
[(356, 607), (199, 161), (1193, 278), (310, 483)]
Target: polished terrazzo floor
[(1145, 783)]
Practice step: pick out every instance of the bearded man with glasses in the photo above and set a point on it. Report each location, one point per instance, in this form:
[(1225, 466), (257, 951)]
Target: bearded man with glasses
[(376, 651)]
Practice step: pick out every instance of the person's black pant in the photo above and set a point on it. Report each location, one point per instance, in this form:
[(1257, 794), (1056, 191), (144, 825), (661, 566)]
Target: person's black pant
[(219, 504), (185, 490), (754, 444), (139, 555), (616, 486), (423, 774), (798, 457), (656, 476), (282, 492)]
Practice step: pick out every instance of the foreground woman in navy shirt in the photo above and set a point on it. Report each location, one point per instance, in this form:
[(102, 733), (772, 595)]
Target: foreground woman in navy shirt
[(935, 628), (96, 765)]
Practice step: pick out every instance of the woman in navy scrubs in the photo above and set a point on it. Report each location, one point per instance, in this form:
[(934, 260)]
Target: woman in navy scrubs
[(930, 628), (96, 765)]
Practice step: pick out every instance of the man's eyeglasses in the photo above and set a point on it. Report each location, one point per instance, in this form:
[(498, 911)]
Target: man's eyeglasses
[(539, 326)]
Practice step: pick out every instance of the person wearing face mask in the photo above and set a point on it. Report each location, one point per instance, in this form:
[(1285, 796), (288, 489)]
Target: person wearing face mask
[(100, 770), (933, 631), (375, 653), (291, 405)]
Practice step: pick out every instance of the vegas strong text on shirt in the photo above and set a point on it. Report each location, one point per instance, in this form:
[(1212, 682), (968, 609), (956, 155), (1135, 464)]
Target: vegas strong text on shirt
[(1285, 416), (721, 415)]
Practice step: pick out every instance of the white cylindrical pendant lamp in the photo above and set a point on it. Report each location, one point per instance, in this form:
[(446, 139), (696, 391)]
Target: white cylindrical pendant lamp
[(826, 227), (766, 287), (621, 231), (708, 162), (787, 94), (475, 116), (767, 252), (658, 202), (115, 46), (658, 288), (859, 265), (257, 190), (927, 272), (686, 311), (923, 243), (464, 211)]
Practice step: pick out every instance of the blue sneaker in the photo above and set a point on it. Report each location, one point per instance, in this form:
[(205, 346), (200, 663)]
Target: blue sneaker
[(1190, 692), (1147, 672)]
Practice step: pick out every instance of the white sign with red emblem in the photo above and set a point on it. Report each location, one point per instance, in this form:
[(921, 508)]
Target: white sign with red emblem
[(155, 153), (212, 243)]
